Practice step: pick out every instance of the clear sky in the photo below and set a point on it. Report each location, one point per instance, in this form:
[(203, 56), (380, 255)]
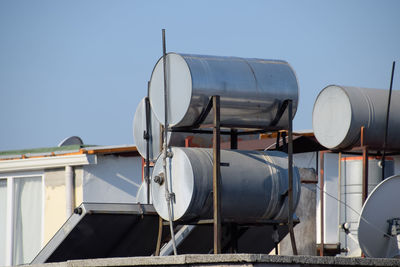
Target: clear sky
[(81, 67)]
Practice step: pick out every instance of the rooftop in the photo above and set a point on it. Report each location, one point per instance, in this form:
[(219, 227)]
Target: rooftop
[(66, 150)]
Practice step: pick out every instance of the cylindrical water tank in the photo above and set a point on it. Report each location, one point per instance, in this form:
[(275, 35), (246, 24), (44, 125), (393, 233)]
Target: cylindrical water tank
[(254, 185), (351, 194), (340, 111), (174, 138), (139, 128), (251, 90)]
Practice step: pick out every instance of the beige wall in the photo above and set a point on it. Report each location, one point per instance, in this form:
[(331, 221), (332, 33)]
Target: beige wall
[(54, 206), (78, 186), (55, 200)]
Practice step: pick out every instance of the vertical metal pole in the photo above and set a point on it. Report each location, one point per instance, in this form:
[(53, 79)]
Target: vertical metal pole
[(365, 174), (147, 137), (160, 232), (321, 201), (339, 189), (168, 195), (234, 139), (217, 175), (290, 170), (387, 121), (364, 166), (278, 139), (233, 226)]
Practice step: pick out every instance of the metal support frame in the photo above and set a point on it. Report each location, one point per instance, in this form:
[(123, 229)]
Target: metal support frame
[(214, 105)]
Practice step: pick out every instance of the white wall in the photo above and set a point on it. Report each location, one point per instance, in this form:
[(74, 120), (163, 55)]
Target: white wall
[(112, 180), (331, 220)]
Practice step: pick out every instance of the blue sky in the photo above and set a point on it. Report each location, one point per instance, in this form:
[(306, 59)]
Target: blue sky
[(81, 67)]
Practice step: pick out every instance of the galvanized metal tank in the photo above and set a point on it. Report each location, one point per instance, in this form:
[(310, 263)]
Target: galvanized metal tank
[(351, 194), (139, 127), (340, 111), (254, 185), (251, 90)]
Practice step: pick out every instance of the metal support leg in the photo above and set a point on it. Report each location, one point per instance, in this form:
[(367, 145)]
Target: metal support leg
[(160, 232), (321, 201), (275, 238), (217, 175), (290, 170), (365, 166), (234, 139), (365, 174), (278, 139), (234, 238)]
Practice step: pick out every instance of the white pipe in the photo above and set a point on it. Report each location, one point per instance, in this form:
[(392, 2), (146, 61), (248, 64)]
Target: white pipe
[(10, 222), (69, 190)]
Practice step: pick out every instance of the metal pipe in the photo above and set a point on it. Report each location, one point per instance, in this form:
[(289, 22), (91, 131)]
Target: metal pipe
[(147, 137), (69, 191), (168, 195), (387, 121), (217, 176)]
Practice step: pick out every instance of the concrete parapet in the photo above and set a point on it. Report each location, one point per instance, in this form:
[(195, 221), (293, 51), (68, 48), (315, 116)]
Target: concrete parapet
[(256, 260)]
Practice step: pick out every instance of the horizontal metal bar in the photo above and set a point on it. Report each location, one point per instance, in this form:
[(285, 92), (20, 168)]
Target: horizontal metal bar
[(226, 221)]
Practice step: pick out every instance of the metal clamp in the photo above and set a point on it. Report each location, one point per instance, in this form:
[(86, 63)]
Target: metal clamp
[(170, 196), (394, 226), (146, 135)]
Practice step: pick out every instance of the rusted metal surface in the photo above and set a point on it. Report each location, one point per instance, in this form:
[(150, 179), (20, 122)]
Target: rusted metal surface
[(216, 175), (365, 174), (160, 232)]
